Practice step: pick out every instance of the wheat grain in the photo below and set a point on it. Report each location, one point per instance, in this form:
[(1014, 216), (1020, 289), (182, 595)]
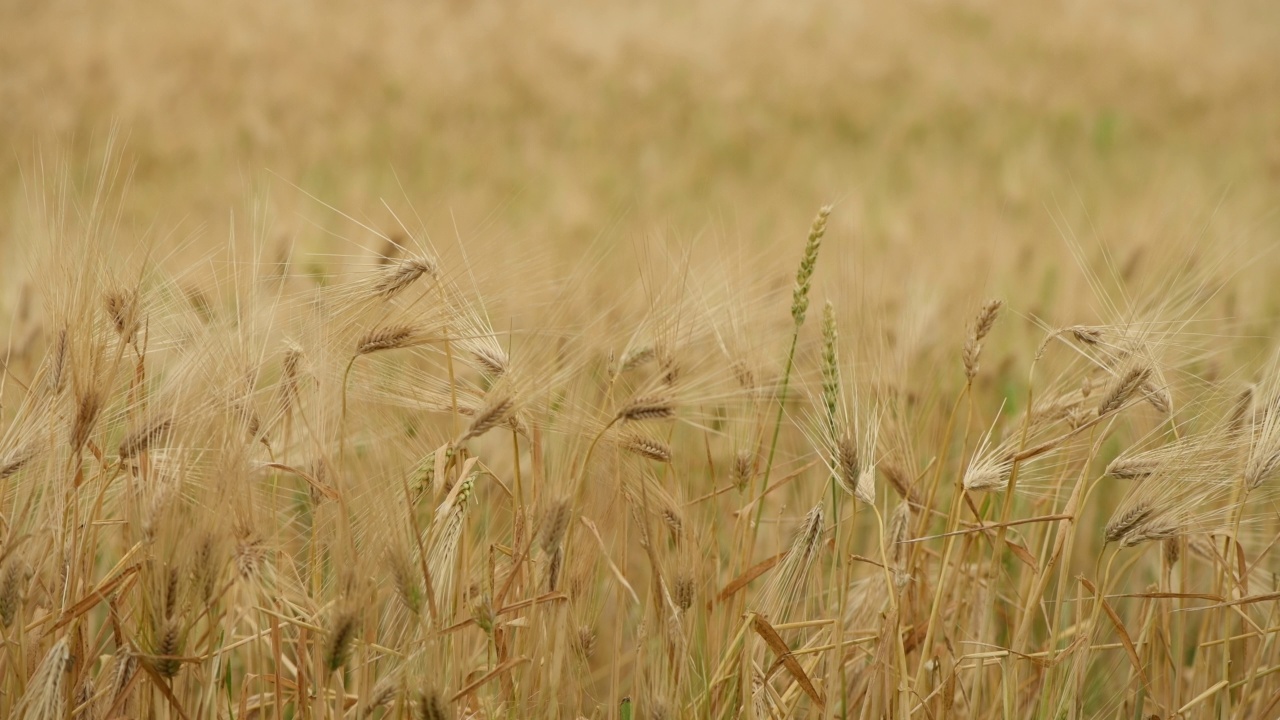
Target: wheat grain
[(342, 634), (982, 324), (122, 309), (88, 406), (1086, 335), (646, 447), (386, 338), (45, 697), (13, 578), (393, 280), (1124, 523), (166, 648), (804, 276), (497, 409), (555, 524), (141, 439), (15, 460), (405, 580), (744, 467), (634, 358), (648, 407), (56, 379), (1122, 388), (830, 363), (492, 360)]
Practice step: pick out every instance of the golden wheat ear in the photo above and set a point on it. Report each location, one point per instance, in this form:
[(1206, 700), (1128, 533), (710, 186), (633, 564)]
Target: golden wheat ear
[(497, 409), (393, 337), (341, 635), (1123, 386), (645, 447), (978, 331), (46, 694), (648, 407), (13, 580), (395, 279), (405, 578), (778, 598), (124, 311)]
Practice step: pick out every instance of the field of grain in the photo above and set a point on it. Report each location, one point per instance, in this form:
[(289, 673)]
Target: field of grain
[(645, 361)]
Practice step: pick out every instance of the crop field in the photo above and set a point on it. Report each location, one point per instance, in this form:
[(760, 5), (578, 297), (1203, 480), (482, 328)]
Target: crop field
[(639, 361)]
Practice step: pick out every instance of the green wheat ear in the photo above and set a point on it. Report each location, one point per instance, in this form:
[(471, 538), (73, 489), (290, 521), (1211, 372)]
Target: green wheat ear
[(624, 710), (830, 364), (799, 306), (804, 276)]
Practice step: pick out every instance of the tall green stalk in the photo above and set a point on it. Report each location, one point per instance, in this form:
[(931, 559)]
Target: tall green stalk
[(831, 402), (799, 307)]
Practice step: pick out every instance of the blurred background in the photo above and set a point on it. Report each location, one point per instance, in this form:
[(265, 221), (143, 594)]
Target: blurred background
[(1087, 161), (967, 129)]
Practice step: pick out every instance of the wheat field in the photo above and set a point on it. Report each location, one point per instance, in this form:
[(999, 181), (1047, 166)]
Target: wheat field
[(673, 360)]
